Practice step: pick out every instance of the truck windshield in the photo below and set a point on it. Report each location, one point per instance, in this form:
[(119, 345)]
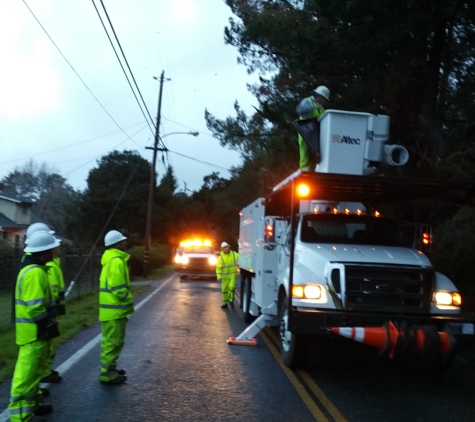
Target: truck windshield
[(351, 229)]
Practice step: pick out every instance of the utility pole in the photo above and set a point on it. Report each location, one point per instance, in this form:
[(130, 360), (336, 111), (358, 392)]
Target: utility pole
[(148, 229)]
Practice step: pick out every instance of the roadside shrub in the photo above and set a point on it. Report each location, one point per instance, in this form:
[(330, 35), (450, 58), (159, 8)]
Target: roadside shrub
[(159, 256), (7, 264)]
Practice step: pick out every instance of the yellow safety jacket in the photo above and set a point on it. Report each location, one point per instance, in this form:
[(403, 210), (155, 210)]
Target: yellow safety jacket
[(115, 298), (35, 310), (227, 264), (56, 282), (307, 109)]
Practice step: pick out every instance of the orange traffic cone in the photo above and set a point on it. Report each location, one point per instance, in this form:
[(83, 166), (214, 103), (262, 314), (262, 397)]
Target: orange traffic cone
[(386, 338), (446, 339), (372, 336)]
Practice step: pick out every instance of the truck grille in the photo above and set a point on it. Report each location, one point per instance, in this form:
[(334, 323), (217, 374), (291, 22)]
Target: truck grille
[(198, 263), (388, 289)]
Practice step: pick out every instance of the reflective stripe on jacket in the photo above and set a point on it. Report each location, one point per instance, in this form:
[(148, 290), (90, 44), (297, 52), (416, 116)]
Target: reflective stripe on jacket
[(227, 264), (115, 298), (35, 311)]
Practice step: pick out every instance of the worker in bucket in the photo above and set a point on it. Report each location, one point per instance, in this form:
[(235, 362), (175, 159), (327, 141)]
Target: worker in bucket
[(227, 271), (115, 306), (35, 326), (308, 108)]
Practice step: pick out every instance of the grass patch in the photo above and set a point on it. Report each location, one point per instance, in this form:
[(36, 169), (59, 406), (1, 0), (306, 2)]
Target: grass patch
[(81, 312), (5, 308)]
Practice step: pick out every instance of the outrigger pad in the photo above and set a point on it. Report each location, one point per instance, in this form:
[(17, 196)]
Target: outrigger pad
[(309, 130), (247, 342)]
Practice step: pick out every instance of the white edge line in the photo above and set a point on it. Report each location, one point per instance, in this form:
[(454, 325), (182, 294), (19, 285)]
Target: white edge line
[(68, 364)]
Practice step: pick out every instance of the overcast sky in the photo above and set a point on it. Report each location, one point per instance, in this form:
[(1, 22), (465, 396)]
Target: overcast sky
[(70, 115)]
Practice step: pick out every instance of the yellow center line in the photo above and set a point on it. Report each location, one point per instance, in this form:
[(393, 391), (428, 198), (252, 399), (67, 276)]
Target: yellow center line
[(311, 384), (309, 402), (324, 400)]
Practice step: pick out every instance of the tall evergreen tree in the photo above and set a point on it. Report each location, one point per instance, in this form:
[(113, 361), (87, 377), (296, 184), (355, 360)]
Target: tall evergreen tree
[(412, 60)]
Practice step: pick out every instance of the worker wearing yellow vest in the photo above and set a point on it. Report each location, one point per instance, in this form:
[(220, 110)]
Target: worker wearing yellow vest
[(56, 281), (308, 108), (115, 304), (36, 326), (227, 271)]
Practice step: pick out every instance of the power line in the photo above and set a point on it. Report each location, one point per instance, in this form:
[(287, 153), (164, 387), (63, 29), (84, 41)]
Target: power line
[(77, 74), (200, 161), (126, 62), (74, 144)]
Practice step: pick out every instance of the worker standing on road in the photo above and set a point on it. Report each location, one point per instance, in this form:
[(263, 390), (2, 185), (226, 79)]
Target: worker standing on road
[(308, 108), (115, 304), (227, 272), (36, 326), (56, 281)]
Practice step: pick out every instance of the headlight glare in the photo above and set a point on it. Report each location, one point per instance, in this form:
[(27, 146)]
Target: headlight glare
[(297, 292), (312, 291), (448, 299), (307, 291)]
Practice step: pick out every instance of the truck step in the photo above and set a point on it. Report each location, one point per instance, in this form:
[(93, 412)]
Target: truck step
[(272, 322)]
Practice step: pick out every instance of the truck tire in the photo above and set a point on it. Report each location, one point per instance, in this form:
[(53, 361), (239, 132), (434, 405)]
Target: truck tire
[(293, 348), (246, 299)]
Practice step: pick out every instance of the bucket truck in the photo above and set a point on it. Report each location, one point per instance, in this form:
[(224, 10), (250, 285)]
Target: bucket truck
[(317, 259)]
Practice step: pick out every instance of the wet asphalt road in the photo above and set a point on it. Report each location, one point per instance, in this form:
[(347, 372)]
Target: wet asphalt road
[(180, 368)]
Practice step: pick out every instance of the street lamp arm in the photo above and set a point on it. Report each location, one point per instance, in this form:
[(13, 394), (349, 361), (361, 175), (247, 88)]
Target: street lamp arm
[(192, 133)]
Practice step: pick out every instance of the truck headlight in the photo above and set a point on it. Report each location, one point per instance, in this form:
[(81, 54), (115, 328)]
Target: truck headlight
[(212, 260), (177, 259), (184, 260), (443, 298), (307, 291)]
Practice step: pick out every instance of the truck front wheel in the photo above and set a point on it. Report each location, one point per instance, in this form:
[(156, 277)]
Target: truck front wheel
[(293, 347)]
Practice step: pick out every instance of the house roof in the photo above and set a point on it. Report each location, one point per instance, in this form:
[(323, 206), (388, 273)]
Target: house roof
[(13, 199), (6, 222)]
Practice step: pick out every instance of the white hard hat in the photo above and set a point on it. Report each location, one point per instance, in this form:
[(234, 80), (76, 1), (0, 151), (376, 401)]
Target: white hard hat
[(113, 237), (323, 91), (224, 244), (41, 241), (37, 227)]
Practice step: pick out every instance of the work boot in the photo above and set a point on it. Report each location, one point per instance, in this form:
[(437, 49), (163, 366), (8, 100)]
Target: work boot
[(54, 372), (43, 409), (119, 379), (224, 306), (44, 392), (120, 371), (37, 419), (52, 378), (231, 304)]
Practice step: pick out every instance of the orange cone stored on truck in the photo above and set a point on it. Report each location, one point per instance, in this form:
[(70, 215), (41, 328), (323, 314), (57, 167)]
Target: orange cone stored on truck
[(388, 338)]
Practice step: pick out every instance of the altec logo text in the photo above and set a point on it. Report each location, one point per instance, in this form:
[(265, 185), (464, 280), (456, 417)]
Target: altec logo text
[(346, 140)]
